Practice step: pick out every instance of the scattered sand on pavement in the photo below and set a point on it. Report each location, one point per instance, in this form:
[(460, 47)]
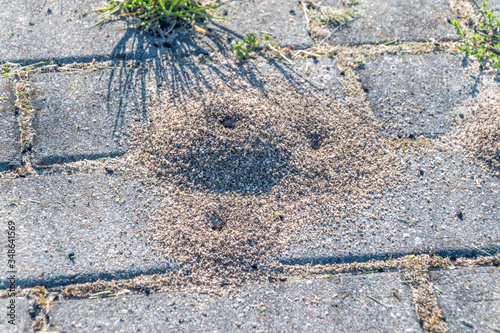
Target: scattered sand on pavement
[(244, 171)]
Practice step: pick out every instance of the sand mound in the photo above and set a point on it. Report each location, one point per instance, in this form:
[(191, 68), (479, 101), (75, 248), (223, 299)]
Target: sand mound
[(242, 171)]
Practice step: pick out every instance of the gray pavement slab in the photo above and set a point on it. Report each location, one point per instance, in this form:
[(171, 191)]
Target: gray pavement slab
[(182, 81), (334, 305), (74, 228), (10, 149), (413, 95), (469, 298), (63, 32), (281, 19), (22, 321), (84, 115), (446, 205), (58, 30), (388, 20)]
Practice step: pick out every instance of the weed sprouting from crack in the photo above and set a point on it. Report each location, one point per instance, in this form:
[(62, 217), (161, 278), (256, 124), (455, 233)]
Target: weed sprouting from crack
[(244, 49), (163, 15), (481, 36), (25, 96)]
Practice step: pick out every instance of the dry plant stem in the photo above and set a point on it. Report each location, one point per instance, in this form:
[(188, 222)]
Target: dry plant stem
[(278, 53), (304, 8)]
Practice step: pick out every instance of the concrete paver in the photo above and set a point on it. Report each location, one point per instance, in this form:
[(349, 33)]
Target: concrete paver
[(281, 19), (78, 228), (446, 205), (469, 298), (334, 304), (85, 116), (418, 94), (387, 20), (58, 30)]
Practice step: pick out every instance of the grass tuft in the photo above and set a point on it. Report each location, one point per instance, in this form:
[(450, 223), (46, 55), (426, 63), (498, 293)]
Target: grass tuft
[(150, 11)]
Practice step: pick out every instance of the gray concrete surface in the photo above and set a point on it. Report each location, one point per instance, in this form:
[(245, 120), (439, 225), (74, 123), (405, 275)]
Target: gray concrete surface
[(469, 298), (61, 31), (387, 20), (85, 116), (78, 228), (335, 304), (10, 148), (58, 30), (22, 321), (446, 205), (418, 94), (281, 19)]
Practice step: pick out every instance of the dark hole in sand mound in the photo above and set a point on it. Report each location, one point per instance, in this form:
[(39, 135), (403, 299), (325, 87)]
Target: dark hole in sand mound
[(223, 144), (216, 222)]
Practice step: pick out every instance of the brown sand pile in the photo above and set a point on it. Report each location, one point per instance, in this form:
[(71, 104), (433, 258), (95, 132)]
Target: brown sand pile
[(243, 172), (481, 129)]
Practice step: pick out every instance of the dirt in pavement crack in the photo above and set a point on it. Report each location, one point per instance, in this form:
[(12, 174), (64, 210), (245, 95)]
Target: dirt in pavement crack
[(39, 307), (23, 96), (416, 275)]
